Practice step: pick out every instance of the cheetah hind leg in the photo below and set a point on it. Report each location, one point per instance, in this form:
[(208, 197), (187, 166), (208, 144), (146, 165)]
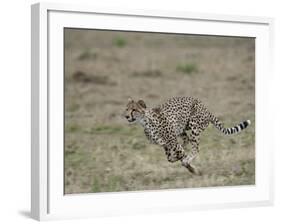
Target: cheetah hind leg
[(186, 160), (193, 169), (185, 138)]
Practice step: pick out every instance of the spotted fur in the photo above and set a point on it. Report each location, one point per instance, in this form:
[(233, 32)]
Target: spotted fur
[(165, 123)]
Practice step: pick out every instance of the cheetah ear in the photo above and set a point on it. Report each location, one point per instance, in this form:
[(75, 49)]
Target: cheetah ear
[(130, 100), (142, 103)]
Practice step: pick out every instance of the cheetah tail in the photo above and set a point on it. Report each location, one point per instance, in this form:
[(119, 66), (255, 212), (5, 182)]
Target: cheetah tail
[(233, 130)]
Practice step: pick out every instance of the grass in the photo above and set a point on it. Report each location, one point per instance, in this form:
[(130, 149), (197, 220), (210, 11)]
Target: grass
[(121, 158), (73, 107), (102, 129), (87, 55), (86, 78), (187, 68), (72, 128), (119, 42), (148, 73), (96, 185)]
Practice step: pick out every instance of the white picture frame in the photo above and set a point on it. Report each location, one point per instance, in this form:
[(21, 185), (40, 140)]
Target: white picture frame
[(48, 200)]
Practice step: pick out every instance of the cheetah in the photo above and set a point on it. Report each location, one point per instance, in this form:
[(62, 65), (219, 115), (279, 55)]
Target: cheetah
[(163, 125)]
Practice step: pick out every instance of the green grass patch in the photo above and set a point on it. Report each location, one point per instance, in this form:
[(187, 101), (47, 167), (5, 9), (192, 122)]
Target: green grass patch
[(96, 185), (187, 68), (119, 42), (72, 128)]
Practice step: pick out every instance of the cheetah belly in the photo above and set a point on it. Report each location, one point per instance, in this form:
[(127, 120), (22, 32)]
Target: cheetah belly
[(179, 128), (178, 125)]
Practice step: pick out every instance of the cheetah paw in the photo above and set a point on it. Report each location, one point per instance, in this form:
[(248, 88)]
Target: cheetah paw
[(193, 170)]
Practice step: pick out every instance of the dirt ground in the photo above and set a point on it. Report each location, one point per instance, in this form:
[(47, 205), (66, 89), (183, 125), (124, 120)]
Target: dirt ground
[(103, 153)]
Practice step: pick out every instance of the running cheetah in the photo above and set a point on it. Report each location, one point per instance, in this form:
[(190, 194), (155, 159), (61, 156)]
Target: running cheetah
[(164, 123)]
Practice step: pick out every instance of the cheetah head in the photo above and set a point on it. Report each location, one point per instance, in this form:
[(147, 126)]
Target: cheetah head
[(134, 111)]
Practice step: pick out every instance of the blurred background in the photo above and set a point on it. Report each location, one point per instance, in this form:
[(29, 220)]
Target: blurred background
[(103, 68)]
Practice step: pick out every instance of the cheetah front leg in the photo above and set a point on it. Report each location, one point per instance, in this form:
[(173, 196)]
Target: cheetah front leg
[(174, 151), (187, 159)]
